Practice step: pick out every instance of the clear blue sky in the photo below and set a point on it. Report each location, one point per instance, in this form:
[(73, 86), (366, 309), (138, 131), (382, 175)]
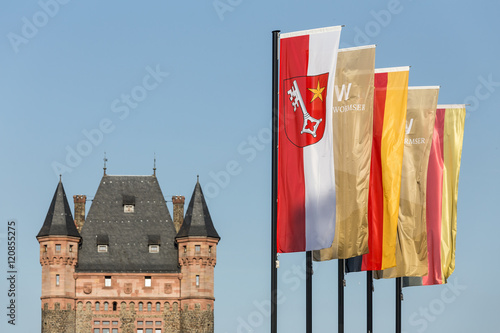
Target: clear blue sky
[(67, 70)]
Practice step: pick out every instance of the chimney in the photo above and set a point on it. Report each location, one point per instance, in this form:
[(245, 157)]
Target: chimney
[(79, 201), (178, 201)]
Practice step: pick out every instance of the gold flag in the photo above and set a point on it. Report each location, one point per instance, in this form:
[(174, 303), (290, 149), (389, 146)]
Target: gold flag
[(411, 248), (352, 141), (453, 140)]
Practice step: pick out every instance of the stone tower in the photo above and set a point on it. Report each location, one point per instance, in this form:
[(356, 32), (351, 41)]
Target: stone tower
[(59, 240), (197, 246)]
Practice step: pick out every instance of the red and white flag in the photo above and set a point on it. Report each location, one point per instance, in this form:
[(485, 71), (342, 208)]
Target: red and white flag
[(306, 177)]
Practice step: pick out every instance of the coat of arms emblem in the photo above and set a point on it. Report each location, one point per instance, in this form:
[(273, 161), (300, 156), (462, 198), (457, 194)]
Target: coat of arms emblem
[(168, 288), (87, 288), (128, 288), (304, 100)]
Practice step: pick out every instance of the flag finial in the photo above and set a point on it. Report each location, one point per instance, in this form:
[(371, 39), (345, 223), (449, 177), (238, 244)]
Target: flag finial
[(105, 160), (154, 165)]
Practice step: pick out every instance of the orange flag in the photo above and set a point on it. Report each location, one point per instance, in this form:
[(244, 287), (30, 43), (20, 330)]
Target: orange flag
[(389, 116)]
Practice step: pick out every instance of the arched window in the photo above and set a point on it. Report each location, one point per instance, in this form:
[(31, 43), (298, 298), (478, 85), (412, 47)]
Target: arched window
[(106, 306), (149, 306), (115, 305), (97, 306), (158, 307), (140, 306)]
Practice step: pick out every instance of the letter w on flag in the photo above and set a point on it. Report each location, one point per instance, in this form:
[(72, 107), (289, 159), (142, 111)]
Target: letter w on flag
[(306, 178), (342, 92)]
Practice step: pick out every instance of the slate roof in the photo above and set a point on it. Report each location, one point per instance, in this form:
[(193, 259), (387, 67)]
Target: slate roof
[(128, 234), (197, 221), (59, 221)]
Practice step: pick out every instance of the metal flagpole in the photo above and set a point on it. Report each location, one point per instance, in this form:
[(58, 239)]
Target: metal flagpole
[(369, 301), (399, 298), (341, 285), (309, 273), (274, 194)]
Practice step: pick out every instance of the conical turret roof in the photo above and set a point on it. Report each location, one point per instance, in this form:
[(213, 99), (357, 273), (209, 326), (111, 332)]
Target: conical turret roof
[(59, 221), (197, 221)]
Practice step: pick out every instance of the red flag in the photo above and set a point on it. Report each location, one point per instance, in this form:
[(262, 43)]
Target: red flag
[(306, 178)]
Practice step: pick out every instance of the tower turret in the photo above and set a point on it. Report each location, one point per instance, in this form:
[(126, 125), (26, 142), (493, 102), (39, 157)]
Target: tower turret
[(58, 239), (197, 242)]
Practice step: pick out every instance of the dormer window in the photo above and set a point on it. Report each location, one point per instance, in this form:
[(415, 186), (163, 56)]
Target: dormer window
[(128, 202), (154, 243), (102, 243)]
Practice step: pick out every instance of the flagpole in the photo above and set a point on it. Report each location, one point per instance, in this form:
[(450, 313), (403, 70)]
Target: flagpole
[(399, 298), (341, 284), (369, 301), (309, 273), (274, 194)]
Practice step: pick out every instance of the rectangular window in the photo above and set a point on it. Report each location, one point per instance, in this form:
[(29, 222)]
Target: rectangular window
[(115, 323), (197, 248), (158, 330), (71, 248), (197, 280), (96, 330), (107, 281), (140, 330), (139, 323), (209, 249), (157, 323), (58, 247), (114, 330), (105, 330), (105, 322), (185, 249), (96, 322), (150, 323), (147, 281), (57, 279), (149, 330), (45, 248)]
